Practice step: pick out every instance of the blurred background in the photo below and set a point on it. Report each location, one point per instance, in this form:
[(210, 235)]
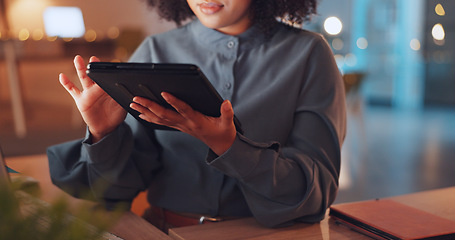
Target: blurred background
[(396, 56)]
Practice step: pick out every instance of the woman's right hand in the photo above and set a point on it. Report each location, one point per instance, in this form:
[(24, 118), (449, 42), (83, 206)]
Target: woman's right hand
[(100, 112)]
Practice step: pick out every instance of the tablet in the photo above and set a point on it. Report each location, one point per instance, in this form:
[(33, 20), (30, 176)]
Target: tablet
[(123, 81)]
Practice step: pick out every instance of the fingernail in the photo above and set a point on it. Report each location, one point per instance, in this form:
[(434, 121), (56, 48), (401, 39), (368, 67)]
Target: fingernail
[(165, 96), (227, 105)]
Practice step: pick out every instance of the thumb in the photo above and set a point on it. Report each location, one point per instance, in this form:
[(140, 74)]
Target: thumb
[(227, 113)]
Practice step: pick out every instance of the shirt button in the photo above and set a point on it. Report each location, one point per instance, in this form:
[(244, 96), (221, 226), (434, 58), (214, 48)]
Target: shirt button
[(227, 85), (230, 44)]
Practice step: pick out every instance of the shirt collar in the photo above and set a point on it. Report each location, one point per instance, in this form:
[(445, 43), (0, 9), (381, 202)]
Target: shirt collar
[(220, 42)]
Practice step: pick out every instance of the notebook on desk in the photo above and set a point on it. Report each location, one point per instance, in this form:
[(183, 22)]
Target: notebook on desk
[(388, 219), (29, 208)]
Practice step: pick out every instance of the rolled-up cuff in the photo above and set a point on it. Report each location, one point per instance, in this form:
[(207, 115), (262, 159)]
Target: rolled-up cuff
[(241, 158), (104, 149)]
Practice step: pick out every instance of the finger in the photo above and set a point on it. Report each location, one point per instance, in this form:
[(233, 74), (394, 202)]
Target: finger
[(152, 109), (146, 103), (69, 86), (180, 106), (227, 113), (94, 59), (150, 116), (144, 112), (81, 70)]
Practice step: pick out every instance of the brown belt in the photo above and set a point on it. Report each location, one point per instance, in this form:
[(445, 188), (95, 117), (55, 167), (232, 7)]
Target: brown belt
[(165, 219)]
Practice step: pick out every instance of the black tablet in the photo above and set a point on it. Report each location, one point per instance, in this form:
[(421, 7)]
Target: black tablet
[(123, 81)]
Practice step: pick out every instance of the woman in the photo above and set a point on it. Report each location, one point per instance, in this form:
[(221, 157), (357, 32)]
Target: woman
[(282, 84)]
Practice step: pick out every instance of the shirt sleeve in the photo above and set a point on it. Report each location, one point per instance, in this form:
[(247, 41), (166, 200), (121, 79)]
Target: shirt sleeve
[(111, 170), (296, 179)]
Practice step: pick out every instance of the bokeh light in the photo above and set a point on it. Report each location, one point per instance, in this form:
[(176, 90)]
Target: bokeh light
[(350, 59), (438, 32), (90, 35), (415, 44), (439, 9), (113, 33), (23, 35), (362, 43), (337, 44), (333, 25), (37, 34)]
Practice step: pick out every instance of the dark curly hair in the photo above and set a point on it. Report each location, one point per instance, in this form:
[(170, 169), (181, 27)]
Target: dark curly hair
[(263, 12)]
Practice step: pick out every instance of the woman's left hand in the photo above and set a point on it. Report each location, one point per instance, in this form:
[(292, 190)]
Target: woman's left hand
[(217, 132)]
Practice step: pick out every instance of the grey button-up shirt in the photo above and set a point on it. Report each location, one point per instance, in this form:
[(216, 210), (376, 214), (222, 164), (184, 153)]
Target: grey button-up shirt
[(288, 94)]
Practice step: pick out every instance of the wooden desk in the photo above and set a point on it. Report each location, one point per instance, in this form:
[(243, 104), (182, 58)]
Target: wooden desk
[(439, 202), (129, 226)]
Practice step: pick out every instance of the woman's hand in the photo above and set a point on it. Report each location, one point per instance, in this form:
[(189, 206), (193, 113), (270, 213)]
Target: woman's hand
[(99, 111), (218, 133)]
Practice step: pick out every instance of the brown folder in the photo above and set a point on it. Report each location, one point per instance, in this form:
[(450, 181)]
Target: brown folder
[(387, 219)]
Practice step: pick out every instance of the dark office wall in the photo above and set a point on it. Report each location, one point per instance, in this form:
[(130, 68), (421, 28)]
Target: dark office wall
[(440, 59)]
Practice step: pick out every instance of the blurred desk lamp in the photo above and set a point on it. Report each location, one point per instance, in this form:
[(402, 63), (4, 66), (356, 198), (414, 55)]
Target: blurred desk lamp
[(64, 22)]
